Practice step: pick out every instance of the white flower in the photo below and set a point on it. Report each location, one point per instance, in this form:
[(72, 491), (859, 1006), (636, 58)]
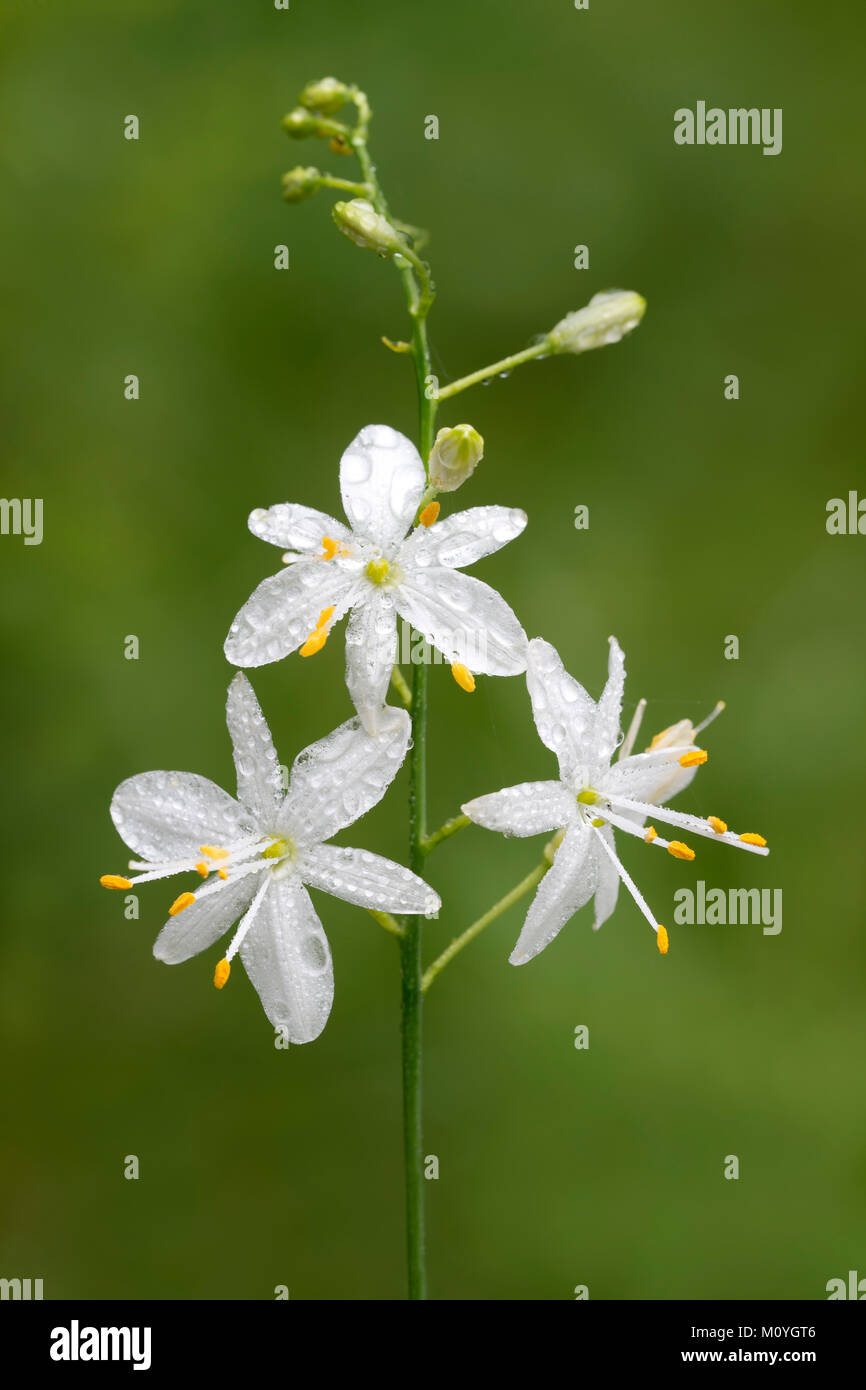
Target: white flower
[(376, 572), (256, 854), (594, 796)]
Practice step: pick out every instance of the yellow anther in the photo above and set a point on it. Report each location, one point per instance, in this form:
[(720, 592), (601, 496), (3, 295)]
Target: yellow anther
[(662, 939), (588, 797), (319, 635), (463, 676), (202, 869), (694, 759), (719, 826), (276, 850), (679, 850), (650, 834), (222, 873), (377, 571), (751, 839), (598, 822), (429, 514), (214, 851), (115, 881), (222, 972), (185, 900), (329, 547)]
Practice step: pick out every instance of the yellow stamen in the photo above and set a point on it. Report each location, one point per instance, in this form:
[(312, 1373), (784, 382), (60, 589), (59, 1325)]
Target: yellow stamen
[(429, 514), (276, 850), (377, 571), (719, 826), (463, 676), (214, 851), (679, 850), (222, 972), (588, 797), (222, 873), (657, 738), (694, 759), (319, 635), (751, 839), (598, 822), (662, 939), (202, 869), (115, 881), (651, 834), (185, 900), (329, 547)]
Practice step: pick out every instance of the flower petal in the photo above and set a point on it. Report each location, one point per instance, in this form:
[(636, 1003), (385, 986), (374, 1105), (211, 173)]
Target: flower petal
[(283, 611), (530, 808), (564, 713), (655, 776), (167, 815), (293, 527), (607, 890), (465, 619), (381, 481), (259, 782), (288, 959), (340, 777), (565, 888), (608, 733), (207, 919), (367, 880), (464, 537), (371, 650)]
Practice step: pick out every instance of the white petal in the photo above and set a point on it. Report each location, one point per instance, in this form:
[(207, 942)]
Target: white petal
[(202, 923), (465, 537), (530, 808), (167, 815), (340, 777), (381, 481), (293, 527), (564, 712), (288, 959), (607, 890), (465, 619), (367, 880), (371, 650), (282, 612), (565, 888), (609, 710), (259, 782), (642, 775)]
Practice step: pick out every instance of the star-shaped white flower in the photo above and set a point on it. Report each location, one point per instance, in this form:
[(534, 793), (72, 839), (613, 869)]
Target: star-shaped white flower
[(595, 796), (257, 853), (375, 571)]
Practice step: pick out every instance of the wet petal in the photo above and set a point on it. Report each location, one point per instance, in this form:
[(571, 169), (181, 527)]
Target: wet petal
[(293, 527), (609, 709), (564, 713), (288, 959), (607, 890), (464, 537), (367, 880), (381, 481), (283, 611), (465, 619), (259, 782), (207, 919), (530, 808), (565, 888), (342, 776), (371, 650), (167, 815)]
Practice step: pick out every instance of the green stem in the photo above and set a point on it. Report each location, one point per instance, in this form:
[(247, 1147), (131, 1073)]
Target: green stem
[(386, 920), (540, 349), (445, 831), (398, 680), (517, 892)]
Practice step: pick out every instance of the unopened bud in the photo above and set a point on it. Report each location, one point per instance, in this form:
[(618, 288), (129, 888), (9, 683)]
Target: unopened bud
[(607, 318), (361, 223), (456, 452), (299, 124), (327, 96), (300, 183)]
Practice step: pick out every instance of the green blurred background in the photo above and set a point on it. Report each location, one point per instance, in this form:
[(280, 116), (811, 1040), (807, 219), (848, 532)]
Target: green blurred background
[(707, 518)]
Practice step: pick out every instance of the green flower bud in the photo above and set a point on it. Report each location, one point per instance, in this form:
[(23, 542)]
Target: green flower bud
[(299, 124), (455, 454), (300, 183), (607, 318), (327, 96), (361, 223)]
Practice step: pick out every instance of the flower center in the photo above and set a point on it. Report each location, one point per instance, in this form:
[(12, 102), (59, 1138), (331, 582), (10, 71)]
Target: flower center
[(276, 850), (377, 571), (588, 797)]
